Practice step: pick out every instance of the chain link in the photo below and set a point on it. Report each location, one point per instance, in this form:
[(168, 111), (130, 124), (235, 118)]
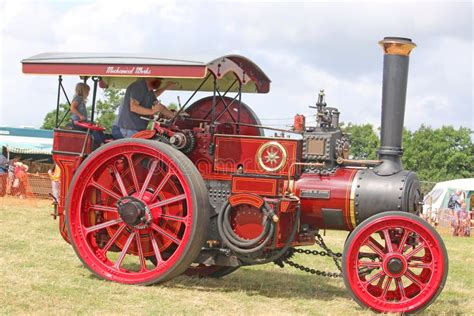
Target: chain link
[(336, 257)]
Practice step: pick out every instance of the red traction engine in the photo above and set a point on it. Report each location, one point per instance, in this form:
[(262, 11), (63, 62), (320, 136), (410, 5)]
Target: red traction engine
[(206, 194)]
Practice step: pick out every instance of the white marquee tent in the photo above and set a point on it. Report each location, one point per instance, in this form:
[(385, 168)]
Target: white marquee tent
[(437, 199)]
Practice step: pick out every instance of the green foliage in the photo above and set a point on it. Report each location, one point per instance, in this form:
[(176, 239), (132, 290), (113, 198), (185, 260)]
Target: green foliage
[(364, 141), (105, 109), (439, 154), (50, 118), (435, 154)]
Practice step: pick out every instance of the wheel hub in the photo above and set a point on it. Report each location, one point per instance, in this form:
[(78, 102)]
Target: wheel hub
[(395, 265), (134, 212)]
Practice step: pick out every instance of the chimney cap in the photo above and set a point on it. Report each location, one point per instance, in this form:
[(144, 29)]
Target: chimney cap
[(393, 45)]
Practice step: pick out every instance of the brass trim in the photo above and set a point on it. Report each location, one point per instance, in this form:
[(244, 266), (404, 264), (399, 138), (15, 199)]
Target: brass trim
[(290, 186), (252, 137), (314, 164), (397, 46), (352, 202), (362, 163), (260, 154)]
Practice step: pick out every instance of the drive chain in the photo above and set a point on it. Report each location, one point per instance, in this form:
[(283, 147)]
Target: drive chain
[(336, 257)]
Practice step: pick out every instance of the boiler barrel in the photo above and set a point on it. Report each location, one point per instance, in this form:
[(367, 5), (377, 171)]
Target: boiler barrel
[(342, 200)]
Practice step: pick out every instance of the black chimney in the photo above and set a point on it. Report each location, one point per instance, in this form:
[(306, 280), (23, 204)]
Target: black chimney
[(395, 73)]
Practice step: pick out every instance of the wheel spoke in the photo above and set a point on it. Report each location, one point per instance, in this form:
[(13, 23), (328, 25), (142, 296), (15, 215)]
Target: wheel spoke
[(156, 249), (102, 225), (380, 282), (386, 287), (119, 179), (104, 189), (103, 208), (388, 240), (369, 264), (168, 201), (113, 238), (141, 256), (375, 277), (415, 251), (123, 253), (412, 277), (148, 178), (401, 289), (180, 219), (161, 185), (133, 173), (376, 247), (420, 265), (168, 235), (403, 240)]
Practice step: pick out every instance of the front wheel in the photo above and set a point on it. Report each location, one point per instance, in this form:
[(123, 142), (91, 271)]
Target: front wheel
[(133, 200), (395, 262)]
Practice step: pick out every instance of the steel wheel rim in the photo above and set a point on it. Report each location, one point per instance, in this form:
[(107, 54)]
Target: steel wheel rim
[(133, 241), (395, 289)]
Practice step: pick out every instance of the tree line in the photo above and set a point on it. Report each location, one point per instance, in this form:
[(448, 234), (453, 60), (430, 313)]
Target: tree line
[(436, 154)]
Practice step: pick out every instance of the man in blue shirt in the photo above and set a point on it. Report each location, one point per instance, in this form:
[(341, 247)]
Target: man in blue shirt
[(140, 100)]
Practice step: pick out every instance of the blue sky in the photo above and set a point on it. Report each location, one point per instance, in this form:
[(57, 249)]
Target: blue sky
[(302, 47)]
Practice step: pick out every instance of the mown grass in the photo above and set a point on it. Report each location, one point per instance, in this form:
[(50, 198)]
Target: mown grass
[(40, 274)]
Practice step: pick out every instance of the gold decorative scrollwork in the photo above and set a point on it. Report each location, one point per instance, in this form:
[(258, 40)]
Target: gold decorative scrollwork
[(271, 156)]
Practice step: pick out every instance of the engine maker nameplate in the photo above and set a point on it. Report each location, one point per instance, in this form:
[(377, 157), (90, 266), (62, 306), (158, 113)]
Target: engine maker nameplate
[(315, 194)]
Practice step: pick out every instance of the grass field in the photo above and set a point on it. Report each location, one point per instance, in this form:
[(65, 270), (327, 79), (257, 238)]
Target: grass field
[(40, 274)]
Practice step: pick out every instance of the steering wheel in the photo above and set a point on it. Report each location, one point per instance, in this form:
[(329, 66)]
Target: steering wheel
[(89, 125)]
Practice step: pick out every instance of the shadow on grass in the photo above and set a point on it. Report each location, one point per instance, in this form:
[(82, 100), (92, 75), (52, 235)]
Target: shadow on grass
[(271, 284)]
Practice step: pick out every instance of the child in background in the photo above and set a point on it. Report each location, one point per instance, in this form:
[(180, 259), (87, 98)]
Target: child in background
[(79, 112), (55, 175), (78, 105)]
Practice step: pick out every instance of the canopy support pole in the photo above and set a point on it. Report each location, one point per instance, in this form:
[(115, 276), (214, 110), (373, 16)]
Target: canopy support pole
[(221, 99), (60, 79), (67, 99), (238, 108), (189, 99), (94, 94)]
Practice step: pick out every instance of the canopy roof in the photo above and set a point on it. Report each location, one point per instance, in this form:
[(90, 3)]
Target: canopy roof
[(119, 70)]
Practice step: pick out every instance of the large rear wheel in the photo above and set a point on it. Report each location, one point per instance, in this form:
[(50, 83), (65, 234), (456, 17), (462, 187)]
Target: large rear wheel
[(395, 262), (133, 200)]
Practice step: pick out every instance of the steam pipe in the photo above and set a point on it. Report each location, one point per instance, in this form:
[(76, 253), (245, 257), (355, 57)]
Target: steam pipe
[(395, 73)]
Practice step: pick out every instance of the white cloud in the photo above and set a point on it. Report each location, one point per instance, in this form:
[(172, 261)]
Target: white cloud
[(302, 46)]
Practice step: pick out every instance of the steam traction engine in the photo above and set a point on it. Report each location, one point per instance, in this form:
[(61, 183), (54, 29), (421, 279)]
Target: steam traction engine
[(209, 193)]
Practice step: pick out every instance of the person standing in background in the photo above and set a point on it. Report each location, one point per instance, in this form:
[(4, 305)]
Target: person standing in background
[(3, 175), (55, 176)]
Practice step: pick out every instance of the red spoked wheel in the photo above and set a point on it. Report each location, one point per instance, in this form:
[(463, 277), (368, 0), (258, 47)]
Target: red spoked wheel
[(137, 212), (209, 271), (395, 262)]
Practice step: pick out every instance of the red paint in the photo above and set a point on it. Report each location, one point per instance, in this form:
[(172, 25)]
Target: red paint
[(246, 220), (423, 273), (202, 110), (299, 123), (109, 70), (246, 198), (85, 208), (339, 185), (257, 185), (234, 151)]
